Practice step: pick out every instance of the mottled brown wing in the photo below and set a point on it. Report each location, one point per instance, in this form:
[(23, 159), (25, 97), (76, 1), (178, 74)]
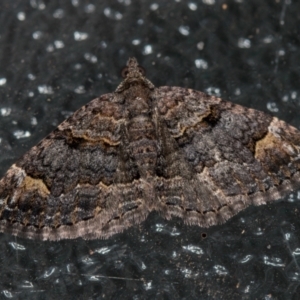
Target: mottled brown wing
[(78, 181), (225, 157)]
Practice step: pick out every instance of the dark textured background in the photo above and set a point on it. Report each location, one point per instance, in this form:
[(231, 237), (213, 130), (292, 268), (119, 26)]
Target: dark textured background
[(57, 55)]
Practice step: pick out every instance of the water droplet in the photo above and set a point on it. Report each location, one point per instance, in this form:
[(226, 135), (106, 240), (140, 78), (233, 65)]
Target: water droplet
[(148, 285), (59, 13), (237, 91), (31, 76), (112, 14), (184, 30), (154, 6), (21, 16), (90, 57), (77, 66), (50, 48), (2, 81), (268, 39), (80, 90), (209, 2), (80, 36), (201, 63), (192, 6), (136, 42), (39, 4), (272, 106), (5, 111), (90, 8), (37, 35), (125, 2), (200, 46), (21, 134), (59, 44), (33, 121), (294, 95), (213, 91), (45, 89), (75, 2), (285, 98), (244, 43), (147, 50)]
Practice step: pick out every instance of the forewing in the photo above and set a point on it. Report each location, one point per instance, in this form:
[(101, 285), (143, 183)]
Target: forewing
[(75, 182), (235, 156)]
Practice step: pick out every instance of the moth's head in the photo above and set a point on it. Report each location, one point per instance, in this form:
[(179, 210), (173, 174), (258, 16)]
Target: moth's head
[(133, 70), (133, 74)]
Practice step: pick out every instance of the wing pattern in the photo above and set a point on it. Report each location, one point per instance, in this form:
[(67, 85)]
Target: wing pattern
[(140, 149)]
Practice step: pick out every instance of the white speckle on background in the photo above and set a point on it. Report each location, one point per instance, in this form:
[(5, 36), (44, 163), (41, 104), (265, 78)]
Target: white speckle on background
[(200, 46), (50, 48), (45, 89), (147, 50), (59, 44), (75, 2), (192, 6), (21, 134), (31, 76), (21, 16), (90, 8), (244, 43), (5, 111), (59, 13), (154, 6), (112, 14), (39, 4), (272, 106), (136, 42), (125, 2), (201, 63), (213, 91), (37, 35), (209, 2), (268, 39), (33, 121), (80, 90), (2, 81), (91, 58), (80, 36), (184, 30)]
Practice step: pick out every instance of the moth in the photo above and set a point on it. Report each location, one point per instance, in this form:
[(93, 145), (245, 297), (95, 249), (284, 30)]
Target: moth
[(173, 150)]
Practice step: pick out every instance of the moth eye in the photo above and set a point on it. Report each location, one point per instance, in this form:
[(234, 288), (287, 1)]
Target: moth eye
[(142, 70), (124, 72)]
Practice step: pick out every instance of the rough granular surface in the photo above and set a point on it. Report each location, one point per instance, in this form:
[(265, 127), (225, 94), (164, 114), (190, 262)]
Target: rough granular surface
[(140, 149)]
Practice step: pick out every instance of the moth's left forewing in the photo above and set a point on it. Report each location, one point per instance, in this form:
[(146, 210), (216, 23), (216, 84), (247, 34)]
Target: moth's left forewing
[(75, 182)]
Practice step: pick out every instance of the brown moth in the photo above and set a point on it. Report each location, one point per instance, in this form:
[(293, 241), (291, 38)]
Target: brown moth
[(172, 150)]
